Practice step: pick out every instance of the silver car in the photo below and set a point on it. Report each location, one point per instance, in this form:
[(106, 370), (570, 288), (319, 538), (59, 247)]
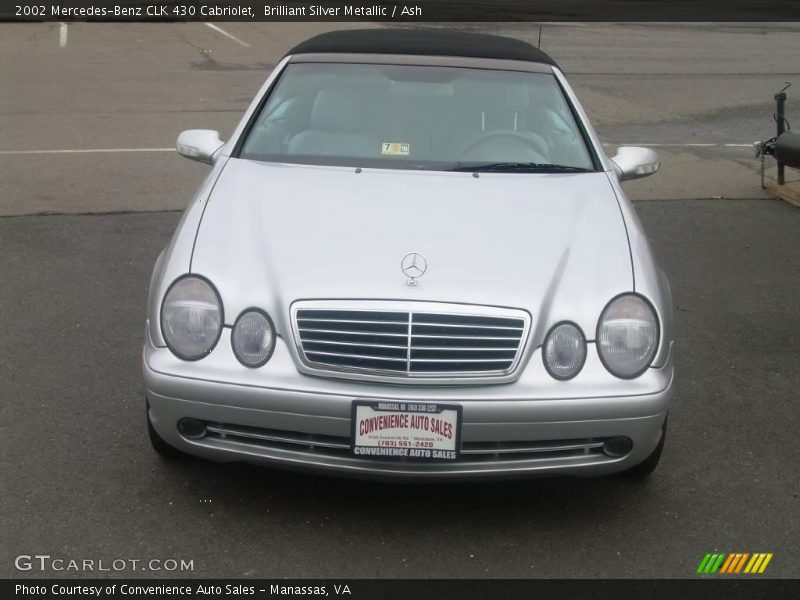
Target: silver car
[(412, 259)]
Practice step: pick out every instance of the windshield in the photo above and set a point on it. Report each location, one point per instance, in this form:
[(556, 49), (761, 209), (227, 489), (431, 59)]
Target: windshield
[(417, 117)]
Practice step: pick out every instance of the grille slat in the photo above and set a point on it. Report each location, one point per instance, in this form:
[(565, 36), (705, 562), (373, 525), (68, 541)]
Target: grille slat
[(477, 332), (354, 326), (367, 364), (308, 342), (343, 332), (347, 355), (459, 367), (471, 327), (457, 360), (411, 343), (355, 315), (462, 353), (357, 351), (467, 337), (471, 320), (359, 321)]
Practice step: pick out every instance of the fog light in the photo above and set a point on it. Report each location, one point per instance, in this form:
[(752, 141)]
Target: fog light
[(617, 446), (192, 428)]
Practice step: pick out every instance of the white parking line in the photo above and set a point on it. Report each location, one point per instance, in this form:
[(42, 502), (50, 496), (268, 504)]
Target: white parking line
[(88, 151), (62, 35), (227, 35), (693, 145)]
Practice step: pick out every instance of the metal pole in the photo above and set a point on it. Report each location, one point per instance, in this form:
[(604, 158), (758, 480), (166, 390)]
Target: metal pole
[(780, 99)]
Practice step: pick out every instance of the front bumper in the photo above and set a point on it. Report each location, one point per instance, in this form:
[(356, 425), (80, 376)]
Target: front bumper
[(276, 416)]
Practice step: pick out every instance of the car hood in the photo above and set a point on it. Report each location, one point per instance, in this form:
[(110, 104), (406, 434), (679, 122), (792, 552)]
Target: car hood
[(553, 244)]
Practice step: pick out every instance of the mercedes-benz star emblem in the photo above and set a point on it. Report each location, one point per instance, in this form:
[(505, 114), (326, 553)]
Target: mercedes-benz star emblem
[(414, 266)]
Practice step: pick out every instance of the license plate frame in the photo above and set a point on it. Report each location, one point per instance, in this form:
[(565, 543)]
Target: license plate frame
[(419, 439)]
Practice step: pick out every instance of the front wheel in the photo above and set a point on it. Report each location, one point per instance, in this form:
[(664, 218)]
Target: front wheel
[(158, 443), (649, 464)]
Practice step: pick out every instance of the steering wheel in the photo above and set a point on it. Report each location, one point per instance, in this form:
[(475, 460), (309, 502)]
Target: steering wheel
[(531, 141)]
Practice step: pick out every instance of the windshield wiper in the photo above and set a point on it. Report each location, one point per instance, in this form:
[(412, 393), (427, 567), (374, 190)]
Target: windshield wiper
[(521, 167)]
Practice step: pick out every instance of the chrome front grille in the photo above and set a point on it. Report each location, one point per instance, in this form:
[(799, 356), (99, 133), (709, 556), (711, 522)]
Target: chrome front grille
[(419, 340)]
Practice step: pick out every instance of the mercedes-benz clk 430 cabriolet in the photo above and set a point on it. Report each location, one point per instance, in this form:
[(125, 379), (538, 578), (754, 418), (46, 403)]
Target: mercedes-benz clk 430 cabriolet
[(412, 259)]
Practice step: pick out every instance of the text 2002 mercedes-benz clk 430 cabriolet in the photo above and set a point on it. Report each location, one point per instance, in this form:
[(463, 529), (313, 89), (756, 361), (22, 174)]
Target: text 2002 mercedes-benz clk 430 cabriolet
[(412, 259)]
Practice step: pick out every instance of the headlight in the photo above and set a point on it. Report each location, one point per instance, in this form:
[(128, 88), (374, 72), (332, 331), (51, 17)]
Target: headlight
[(627, 336), (253, 338), (564, 351), (191, 317)]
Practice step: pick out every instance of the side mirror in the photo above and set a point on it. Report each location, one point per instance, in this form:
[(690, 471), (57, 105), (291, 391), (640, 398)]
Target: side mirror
[(199, 144), (633, 162)]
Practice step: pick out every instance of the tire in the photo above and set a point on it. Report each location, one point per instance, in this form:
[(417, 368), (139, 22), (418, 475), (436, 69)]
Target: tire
[(158, 443), (649, 464)]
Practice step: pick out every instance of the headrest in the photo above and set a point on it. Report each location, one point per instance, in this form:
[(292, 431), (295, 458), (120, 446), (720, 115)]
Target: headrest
[(337, 110)]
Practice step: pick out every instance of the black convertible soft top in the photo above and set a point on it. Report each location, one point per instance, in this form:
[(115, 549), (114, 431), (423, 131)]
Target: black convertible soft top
[(429, 42)]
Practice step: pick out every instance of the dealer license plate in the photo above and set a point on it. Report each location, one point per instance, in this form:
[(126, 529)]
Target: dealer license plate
[(413, 430)]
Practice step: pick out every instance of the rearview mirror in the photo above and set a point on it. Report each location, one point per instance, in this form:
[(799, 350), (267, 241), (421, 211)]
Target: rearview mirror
[(633, 162), (199, 144)]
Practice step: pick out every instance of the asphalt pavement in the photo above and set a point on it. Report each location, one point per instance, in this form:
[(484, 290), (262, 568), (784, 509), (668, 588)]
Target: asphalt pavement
[(81, 481), (78, 477)]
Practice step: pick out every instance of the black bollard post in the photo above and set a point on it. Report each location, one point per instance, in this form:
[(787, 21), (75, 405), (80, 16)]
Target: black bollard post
[(780, 119)]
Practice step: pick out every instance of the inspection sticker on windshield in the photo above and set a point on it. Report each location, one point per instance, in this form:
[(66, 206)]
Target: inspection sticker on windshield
[(415, 430), (395, 149)]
